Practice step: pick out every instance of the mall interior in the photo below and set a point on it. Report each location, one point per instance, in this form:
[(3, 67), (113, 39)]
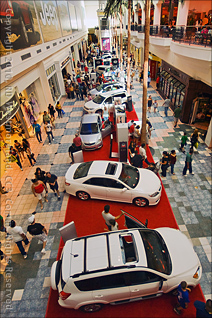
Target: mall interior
[(41, 43)]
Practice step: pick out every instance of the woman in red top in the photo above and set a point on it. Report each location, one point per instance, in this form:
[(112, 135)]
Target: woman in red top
[(38, 188)]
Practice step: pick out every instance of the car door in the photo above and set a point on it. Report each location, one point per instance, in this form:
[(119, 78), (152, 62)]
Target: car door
[(144, 283), (117, 191), (96, 188), (111, 288)]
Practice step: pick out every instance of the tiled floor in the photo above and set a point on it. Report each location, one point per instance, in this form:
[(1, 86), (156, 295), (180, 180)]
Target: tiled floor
[(26, 295)]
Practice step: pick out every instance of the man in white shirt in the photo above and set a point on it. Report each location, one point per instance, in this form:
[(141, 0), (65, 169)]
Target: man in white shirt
[(48, 129), (18, 236), (142, 152), (108, 217)]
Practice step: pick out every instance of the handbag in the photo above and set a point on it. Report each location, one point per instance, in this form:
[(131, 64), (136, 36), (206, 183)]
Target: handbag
[(63, 112)]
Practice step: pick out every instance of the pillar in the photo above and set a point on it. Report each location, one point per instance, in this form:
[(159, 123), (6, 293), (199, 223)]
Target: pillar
[(208, 138), (157, 14), (182, 13)]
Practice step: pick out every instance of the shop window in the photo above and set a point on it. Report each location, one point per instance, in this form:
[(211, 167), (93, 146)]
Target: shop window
[(54, 87)]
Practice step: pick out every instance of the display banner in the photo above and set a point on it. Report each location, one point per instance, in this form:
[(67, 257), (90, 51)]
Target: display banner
[(19, 26), (48, 19), (105, 44), (64, 17)]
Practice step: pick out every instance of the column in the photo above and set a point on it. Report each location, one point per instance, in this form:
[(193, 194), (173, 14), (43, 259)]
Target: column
[(182, 13), (157, 14), (60, 78), (45, 85), (208, 138)]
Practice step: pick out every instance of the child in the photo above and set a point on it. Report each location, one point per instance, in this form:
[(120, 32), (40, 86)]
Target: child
[(183, 297), (164, 163), (155, 105), (52, 121), (173, 160), (114, 225), (183, 142)]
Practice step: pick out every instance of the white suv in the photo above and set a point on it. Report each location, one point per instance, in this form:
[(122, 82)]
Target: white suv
[(123, 266), (104, 101)]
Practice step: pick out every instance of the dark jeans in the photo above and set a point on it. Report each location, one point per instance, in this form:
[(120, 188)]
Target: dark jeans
[(166, 111), (31, 157), (172, 168), (54, 187), (49, 134), (186, 168), (59, 111), (164, 168), (20, 246), (18, 162), (38, 135), (72, 95)]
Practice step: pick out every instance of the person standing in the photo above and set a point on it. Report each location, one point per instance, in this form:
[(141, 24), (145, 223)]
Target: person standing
[(142, 152), (30, 156), (38, 231), (46, 118), (48, 129), (155, 105), (166, 105), (40, 175), (194, 139), (164, 163), (51, 110), (38, 188), (188, 162), (59, 110), (177, 113), (183, 297), (52, 121), (173, 159), (19, 149), (37, 128), (78, 142), (51, 179), (149, 103), (108, 217), (183, 142), (14, 157), (157, 83), (137, 160), (18, 236), (148, 81), (203, 310)]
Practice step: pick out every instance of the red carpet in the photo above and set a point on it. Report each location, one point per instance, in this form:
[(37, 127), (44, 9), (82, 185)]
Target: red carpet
[(88, 220)]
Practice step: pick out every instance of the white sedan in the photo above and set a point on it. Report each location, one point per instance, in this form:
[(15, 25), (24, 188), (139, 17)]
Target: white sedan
[(115, 181)]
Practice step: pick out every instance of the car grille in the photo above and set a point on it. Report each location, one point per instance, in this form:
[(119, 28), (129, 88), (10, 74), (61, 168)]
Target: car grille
[(89, 144)]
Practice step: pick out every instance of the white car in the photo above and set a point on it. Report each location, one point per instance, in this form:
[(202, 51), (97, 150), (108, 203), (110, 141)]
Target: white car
[(123, 266), (108, 87), (114, 181), (90, 132), (101, 69), (104, 101)]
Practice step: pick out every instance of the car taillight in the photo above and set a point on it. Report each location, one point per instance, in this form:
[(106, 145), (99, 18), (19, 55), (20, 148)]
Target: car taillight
[(196, 275), (67, 184), (64, 295)]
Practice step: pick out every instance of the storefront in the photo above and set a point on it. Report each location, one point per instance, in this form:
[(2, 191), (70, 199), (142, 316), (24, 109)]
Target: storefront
[(194, 97), (53, 83)]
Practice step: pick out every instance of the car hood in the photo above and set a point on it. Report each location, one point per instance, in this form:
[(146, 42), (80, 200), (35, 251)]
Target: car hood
[(181, 251), (148, 182), (89, 139), (92, 105), (94, 91)]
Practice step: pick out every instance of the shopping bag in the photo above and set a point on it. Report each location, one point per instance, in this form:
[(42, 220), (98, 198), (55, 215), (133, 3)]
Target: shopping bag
[(196, 144), (13, 158), (63, 112)]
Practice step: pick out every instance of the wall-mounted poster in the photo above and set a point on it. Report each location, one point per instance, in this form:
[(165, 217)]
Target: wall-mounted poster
[(105, 44), (48, 19), (23, 31), (64, 17), (73, 17)]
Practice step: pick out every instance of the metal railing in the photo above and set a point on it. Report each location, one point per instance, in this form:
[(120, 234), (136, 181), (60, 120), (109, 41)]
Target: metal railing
[(185, 34)]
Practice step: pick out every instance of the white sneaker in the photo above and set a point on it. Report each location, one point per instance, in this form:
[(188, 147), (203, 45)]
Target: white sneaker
[(43, 251), (25, 256)]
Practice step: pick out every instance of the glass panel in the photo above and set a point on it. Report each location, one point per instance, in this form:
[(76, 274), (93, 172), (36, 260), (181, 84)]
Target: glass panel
[(170, 78), (54, 87), (182, 95)]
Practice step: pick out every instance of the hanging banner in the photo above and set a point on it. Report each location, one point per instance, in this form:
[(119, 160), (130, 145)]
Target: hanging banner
[(105, 44)]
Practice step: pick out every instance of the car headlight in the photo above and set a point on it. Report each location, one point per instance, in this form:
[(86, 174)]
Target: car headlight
[(154, 194), (197, 273)]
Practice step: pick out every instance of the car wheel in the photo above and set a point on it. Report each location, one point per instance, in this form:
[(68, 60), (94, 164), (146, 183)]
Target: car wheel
[(82, 195), (141, 202), (91, 307)]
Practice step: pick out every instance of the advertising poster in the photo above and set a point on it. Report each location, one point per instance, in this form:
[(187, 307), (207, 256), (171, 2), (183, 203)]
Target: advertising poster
[(48, 19), (19, 26), (64, 17), (73, 17), (105, 44), (79, 21)]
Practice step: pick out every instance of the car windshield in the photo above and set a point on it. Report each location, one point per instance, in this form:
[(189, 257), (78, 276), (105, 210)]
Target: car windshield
[(157, 254), (89, 129), (82, 170), (129, 175), (99, 88), (98, 99)]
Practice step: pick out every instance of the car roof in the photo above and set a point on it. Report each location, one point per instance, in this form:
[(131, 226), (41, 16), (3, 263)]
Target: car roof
[(90, 118), (112, 93), (100, 252)]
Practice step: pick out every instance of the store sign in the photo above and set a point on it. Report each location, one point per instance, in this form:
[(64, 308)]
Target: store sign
[(8, 110), (49, 20), (67, 60)]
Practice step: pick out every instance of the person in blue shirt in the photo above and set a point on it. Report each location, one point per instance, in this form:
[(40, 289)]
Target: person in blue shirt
[(183, 297), (36, 126), (203, 310)]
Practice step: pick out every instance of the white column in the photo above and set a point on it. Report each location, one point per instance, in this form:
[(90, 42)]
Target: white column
[(45, 86), (60, 78), (182, 13), (157, 14), (208, 138), (143, 16)]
